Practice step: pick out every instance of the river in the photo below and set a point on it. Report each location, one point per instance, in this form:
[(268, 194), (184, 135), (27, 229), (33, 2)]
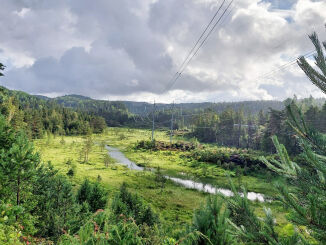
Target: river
[(188, 183)]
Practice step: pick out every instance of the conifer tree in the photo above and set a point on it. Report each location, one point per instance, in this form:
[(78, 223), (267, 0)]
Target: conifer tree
[(211, 220), (18, 165), (307, 200), (2, 67), (316, 77)]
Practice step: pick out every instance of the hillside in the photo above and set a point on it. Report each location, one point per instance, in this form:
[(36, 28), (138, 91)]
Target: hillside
[(38, 117), (144, 108)]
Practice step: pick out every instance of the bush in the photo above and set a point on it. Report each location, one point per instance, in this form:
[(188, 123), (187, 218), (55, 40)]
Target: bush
[(10, 233), (102, 229), (93, 194), (132, 206), (249, 161)]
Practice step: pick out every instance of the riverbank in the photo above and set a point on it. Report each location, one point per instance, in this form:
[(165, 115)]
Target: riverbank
[(174, 203)]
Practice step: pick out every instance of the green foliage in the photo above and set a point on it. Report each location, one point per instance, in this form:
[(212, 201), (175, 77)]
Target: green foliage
[(317, 78), (231, 159), (107, 160), (132, 206), (87, 147), (93, 194), (10, 230), (58, 211), (37, 116), (307, 200), (160, 179), (102, 229), (161, 145), (251, 229), (17, 174), (2, 67), (211, 220), (38, 201), (114, 113), (72, 171), (306, 196)]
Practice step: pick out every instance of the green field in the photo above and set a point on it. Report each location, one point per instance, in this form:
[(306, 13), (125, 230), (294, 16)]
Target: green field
[(174, 203)]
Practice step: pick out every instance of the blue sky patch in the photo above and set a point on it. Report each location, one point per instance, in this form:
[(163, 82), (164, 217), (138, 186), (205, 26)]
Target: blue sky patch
[(281, 4)]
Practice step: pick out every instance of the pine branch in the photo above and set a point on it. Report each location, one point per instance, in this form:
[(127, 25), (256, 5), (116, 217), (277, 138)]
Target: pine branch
[(319, 79)]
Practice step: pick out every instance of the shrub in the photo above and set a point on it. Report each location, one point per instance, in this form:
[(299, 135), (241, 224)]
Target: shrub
[(132, 206), (93, 194)]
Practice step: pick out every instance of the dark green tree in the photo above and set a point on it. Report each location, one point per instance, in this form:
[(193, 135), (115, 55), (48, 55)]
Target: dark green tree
[(57, 209), (2, 67), (18, 166), (93, 194), (132, 206)]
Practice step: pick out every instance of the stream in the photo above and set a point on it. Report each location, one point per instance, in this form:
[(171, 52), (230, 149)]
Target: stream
[(188, 183)]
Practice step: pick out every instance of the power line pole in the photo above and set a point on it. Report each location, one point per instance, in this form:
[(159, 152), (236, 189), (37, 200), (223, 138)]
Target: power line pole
[(171, 123), (183, 119), (153, 122), (239, 139)]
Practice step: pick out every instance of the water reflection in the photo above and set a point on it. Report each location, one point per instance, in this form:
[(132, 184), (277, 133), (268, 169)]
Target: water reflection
[(123, 160)]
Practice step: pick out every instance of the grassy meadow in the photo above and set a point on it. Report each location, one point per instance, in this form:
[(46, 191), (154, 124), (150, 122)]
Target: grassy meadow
[(174, 203)]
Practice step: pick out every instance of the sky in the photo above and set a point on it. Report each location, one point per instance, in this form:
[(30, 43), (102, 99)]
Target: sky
[(130, 49)]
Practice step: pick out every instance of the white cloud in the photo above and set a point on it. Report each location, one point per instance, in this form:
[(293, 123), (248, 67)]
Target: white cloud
[(130, 49)]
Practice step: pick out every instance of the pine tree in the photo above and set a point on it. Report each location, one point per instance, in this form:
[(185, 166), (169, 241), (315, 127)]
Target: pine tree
[(87, 148), (93, 194), (84, 192), (317, 78), (18, 165), (2, 67), (307, 197), (107, 160), (248, 228), (307, 200), (211, 220)]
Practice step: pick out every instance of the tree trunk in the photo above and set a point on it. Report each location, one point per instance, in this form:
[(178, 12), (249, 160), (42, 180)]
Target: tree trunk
[(18, 194)]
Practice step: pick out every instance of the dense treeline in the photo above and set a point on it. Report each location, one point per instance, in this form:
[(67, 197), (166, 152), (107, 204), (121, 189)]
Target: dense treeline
[(248, 107), (114, 113), (143, 108), (233, 128), (38, 117)]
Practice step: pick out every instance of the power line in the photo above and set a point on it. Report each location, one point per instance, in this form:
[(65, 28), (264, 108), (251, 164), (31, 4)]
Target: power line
[(286, 65), (193, 48), (208, 25), (178, 74)]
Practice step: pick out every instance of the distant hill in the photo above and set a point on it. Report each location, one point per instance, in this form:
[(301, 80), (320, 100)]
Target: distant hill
[(38, 115), (253, 107), (144, 108)]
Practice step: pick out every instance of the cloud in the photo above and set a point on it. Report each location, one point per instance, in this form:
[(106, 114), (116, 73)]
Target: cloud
[(130, 49)]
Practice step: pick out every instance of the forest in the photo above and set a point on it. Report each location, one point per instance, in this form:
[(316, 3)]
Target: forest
[(59, 185)]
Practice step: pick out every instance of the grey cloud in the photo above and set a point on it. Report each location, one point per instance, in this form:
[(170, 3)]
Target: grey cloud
[(102, 48)]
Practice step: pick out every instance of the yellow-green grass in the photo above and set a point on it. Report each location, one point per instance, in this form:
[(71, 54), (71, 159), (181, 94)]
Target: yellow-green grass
[(174, 161), (174, 203)]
